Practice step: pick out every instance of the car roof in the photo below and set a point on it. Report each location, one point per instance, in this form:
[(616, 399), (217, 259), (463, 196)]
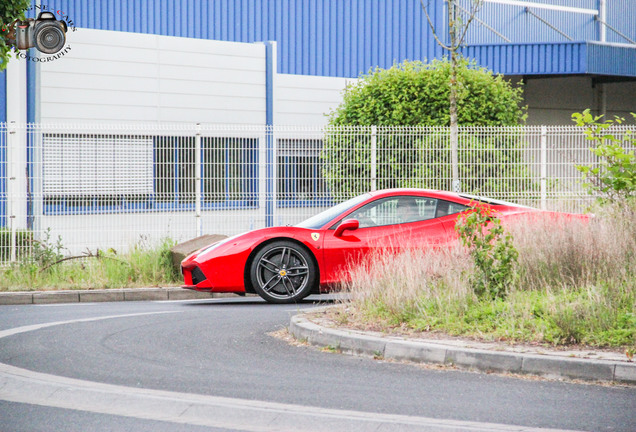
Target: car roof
[(416, 191), (461, 198)]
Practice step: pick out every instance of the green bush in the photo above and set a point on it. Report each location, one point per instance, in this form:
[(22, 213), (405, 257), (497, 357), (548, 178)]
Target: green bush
[(492, 251), (615, 177), (417, 94)]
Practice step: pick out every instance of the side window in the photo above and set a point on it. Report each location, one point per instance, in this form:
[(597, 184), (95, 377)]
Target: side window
[(395, 210), (445, 208)]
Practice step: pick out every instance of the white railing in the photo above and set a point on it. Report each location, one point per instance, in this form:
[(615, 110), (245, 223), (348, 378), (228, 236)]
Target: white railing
[(112, 186)]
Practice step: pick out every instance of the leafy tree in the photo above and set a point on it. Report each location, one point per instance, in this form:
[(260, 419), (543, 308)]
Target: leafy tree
[(416, 94), (10, 10), (457, 31)]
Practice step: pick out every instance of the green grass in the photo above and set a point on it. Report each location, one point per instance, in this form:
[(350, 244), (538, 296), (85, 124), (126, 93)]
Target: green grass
[(562, 318), (142, 266), (575, 283)]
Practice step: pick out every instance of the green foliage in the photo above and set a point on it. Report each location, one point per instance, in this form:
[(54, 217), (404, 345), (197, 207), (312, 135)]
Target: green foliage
[(492, 251), (32, 254), (417, 94), (487, 163), (45, 252), (615, 178), (422, 159), (144, 265), (10, 10), (559, 318)]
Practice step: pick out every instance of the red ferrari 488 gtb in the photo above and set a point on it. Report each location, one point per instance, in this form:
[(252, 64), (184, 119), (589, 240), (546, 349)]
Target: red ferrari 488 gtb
[(286, 264)]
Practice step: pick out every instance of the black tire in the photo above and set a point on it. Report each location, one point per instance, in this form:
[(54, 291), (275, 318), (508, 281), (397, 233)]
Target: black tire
[(283, 272)]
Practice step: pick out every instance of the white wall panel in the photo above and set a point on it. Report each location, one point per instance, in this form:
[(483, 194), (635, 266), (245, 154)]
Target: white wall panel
[(304, 99), (131, 77), (69, 82)]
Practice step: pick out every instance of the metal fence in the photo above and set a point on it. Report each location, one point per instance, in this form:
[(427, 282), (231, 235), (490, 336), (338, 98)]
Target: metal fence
[(115, 186)]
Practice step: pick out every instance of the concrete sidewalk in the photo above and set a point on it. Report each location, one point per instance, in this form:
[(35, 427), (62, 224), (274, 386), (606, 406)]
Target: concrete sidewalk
[(485, 357), (103, 295)]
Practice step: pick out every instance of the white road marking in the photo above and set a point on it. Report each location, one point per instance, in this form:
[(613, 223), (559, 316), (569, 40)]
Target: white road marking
[(66, 304), (29, 387), (24, 329), (210, 300)]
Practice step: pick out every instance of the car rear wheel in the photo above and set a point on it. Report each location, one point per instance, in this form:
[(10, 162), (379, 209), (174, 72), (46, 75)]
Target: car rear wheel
[(283, 272)]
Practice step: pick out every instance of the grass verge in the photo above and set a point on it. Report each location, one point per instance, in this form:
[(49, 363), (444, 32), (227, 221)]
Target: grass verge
[(142, 266)]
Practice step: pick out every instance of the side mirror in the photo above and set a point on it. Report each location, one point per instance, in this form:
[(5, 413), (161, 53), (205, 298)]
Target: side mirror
[(346, 225)]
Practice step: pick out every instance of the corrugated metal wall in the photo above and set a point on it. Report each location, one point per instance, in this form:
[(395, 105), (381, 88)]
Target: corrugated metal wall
[(315, 37), (520, 26), (623, 61), (531, 59), (621, 14), (346, 37)]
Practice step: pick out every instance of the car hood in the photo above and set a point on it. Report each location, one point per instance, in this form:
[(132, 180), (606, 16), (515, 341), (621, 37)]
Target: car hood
[(249, 240)]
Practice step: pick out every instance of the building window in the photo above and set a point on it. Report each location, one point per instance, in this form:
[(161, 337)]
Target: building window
[(228, 171), (83, 172), (106, 173), (300, 180)]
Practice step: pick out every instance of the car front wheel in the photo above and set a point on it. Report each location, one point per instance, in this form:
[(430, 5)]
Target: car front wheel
[(283, 272)]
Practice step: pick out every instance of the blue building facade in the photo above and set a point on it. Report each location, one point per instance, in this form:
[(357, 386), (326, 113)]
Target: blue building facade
[(346, 38)]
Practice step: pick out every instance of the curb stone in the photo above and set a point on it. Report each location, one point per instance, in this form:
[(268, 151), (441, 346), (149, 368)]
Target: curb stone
[(105, 295), (356, 343)]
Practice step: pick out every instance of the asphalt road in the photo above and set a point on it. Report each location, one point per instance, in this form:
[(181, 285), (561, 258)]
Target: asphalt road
[(221, 348)]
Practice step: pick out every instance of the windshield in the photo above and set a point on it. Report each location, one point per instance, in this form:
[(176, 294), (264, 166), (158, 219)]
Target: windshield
[(319, 220)]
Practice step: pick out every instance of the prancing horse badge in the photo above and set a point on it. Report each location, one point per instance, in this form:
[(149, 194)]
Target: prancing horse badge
[(315, 236)]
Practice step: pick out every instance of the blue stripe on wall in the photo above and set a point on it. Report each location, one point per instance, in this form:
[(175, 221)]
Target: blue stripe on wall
[(3, 97), (31, 88), (3, 150)]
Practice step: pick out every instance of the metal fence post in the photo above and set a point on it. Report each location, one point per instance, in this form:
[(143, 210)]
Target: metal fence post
[(274, 178), (11, 142), (262, 174), (544, 168), (374, 158), (197, 180), (270, 193), (271, 55)]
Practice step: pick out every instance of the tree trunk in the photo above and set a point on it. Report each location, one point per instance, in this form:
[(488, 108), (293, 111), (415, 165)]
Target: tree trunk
[(454, 129)]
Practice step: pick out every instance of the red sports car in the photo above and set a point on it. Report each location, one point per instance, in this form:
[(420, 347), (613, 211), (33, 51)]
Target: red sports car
[(286, 264)]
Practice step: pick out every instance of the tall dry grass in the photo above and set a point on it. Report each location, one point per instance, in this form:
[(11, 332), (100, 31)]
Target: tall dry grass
[(571, 252), (576, 283), (394, 287)]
